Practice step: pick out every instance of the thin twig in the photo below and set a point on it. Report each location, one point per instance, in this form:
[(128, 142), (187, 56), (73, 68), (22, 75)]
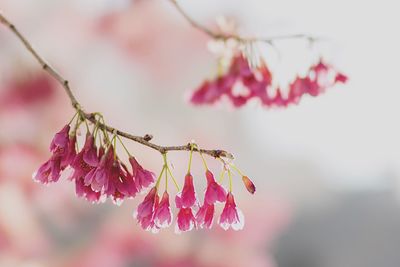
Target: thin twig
[(144, 140), (239, 38)]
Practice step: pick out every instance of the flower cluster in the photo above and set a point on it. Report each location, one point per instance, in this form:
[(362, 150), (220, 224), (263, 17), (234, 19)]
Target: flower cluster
[(99, 174), (257, 83), (154, 214)]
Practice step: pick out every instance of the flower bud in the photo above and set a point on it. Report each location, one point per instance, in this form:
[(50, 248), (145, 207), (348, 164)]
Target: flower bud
[(249, 184)]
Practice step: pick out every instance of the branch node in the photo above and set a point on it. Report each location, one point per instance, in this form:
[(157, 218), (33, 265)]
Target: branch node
[(147, 137)]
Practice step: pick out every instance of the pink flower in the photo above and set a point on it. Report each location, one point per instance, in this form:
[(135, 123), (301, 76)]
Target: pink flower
[(126, 183), (231, 216), (214, 191), (63, 153), (143, 177), (211, 91), (187, 197), (145, 211), (48, 171), (83, 190), (113, 184), (98, 177), (185, 220), (257, 83), (163, 215), (85, 161), (205, 216), (341, 78)]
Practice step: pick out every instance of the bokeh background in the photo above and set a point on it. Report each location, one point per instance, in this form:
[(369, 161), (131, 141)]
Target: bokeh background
[(327, 171)]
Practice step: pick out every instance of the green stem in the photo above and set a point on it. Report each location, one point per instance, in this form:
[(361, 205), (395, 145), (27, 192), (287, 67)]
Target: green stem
[(76, 113), (237, 169), (190, 157), (230, 180), (159, 177), (123, 145)]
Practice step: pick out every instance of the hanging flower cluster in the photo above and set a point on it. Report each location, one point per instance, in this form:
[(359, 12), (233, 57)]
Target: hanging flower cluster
[(99, 174), (257, 83), (244, 75)]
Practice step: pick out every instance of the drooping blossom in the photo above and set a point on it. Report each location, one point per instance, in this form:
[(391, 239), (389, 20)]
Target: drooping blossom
[(205, 216), (126, 184), (214, 191), (63, 152), (143, 177), (231, 216), (145, 211), (112, 178), (249, 184), (187, 197), (120, 184), (257, 82), (98, 178), (163, 214), (185, 220), (85, 161)]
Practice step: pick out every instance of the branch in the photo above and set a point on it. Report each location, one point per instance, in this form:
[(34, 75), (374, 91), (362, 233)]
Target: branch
[(221, 36), (216, 153)]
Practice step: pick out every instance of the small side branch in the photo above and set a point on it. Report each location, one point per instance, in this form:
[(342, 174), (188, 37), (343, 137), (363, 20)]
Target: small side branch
[(239, 38)]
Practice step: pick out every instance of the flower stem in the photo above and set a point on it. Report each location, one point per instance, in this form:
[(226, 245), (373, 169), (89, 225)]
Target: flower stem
[(190, 157), (123, 145), (221, 176), (166, 181), (76, 113), (236, 169), (159, 177), (169, 171), (203, 159), (230, 180)]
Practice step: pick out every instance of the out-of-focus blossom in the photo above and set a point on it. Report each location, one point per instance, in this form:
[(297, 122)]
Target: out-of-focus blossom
[(257, 83), (27, 90), (152, 46)]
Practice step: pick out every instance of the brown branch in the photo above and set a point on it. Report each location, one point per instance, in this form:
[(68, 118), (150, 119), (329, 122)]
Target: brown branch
[(239, 38), (216, 153)]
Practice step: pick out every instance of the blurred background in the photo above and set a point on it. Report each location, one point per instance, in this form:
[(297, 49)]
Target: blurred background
[(327, 171)]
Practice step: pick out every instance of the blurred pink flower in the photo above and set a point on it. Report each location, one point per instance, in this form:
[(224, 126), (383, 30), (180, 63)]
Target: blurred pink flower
[(257, 83), (27, 90)]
